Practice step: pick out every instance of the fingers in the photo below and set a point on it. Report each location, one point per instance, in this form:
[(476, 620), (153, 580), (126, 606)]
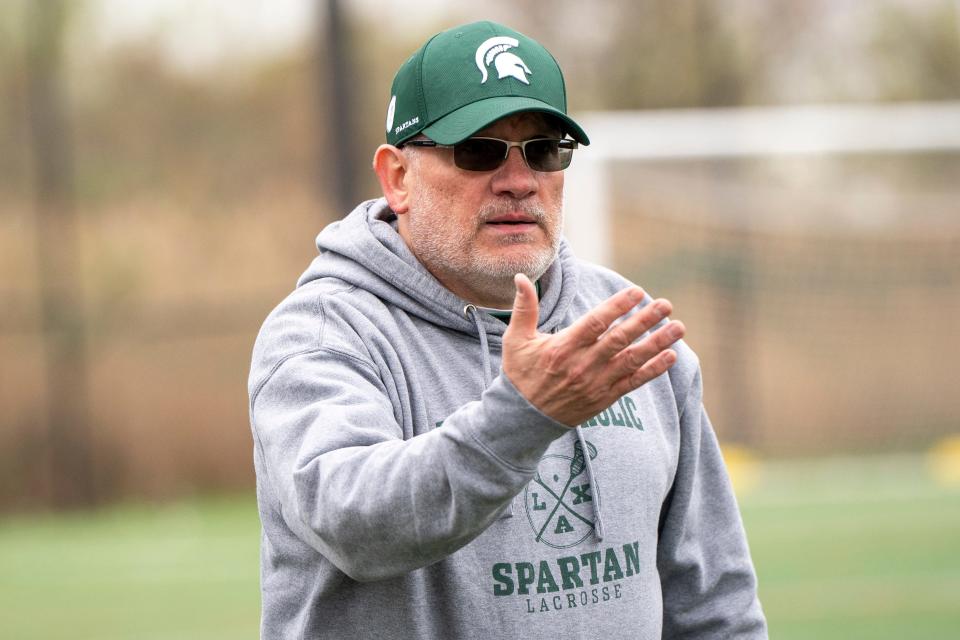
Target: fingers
[(639, 355), (622, 335), (652, 368), (595, 322), (526, 308)]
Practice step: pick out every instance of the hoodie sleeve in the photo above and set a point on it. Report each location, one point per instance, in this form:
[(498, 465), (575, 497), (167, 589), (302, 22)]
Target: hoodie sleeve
[(707, 577), (377, 505)]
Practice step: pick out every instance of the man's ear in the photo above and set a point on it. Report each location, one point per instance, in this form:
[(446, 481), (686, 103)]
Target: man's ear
[(391, 167)]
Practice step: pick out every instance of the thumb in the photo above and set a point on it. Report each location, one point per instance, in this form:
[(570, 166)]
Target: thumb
[(526, 308)]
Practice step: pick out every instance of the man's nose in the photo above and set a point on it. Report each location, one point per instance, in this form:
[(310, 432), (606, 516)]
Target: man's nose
[(514, 177)]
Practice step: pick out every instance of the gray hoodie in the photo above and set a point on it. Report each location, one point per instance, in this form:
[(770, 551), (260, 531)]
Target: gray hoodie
[(407, 490)]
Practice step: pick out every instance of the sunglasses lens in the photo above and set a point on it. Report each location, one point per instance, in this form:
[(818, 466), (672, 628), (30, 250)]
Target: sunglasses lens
[(486, 154), (478, 154), (546, 155)]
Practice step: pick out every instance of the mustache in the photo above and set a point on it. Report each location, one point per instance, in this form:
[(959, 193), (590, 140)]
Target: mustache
[(501, 208)]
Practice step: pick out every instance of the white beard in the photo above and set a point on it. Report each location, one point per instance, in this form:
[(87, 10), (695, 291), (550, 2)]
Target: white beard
[(445, 250)]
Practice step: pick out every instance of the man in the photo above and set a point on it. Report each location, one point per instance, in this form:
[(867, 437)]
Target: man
[(461, 431)]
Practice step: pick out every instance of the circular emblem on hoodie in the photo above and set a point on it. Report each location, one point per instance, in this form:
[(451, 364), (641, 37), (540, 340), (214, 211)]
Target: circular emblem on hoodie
[(559, 499)]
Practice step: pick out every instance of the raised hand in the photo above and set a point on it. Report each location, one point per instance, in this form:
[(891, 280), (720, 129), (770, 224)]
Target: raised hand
[(576, 373)]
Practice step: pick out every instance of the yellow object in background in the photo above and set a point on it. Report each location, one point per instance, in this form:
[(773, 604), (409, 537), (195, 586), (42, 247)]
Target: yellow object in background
[(943, 461), (743, 467)]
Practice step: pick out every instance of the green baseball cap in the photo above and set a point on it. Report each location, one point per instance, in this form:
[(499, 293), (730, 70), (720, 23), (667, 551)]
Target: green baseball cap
[(465, 78)]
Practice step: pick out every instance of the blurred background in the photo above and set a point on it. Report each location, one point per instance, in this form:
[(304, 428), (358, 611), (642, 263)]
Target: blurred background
[(787, 172)]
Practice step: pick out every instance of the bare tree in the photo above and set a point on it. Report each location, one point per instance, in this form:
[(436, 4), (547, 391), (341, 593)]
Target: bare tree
[(334, 51), (63, 326)]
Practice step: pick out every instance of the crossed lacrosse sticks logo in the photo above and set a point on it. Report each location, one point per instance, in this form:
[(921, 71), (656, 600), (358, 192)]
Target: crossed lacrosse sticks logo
[(559, 520)]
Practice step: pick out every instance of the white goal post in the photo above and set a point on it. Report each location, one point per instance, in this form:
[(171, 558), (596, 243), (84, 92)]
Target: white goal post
[(733, 133)]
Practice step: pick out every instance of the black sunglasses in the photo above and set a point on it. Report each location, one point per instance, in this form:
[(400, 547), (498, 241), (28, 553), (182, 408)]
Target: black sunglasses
[(486, 154)]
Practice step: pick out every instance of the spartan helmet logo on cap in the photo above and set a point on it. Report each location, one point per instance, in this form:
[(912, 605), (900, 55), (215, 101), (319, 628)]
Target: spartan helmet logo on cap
[(497, 50)]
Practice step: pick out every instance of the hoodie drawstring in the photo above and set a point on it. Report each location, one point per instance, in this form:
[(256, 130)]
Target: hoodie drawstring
[(471, 311), (597, 515)]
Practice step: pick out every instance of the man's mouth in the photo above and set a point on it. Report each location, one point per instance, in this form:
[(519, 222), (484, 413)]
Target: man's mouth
[(512, 220)]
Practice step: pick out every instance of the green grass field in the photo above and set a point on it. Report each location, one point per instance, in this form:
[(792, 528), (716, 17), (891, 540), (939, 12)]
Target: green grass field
[(856, 548), (845, 548)]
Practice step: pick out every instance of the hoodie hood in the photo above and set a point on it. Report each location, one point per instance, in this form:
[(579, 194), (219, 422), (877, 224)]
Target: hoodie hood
[(365, 250)]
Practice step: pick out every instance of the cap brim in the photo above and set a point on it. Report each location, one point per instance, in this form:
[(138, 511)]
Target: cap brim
[(467, 120)]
